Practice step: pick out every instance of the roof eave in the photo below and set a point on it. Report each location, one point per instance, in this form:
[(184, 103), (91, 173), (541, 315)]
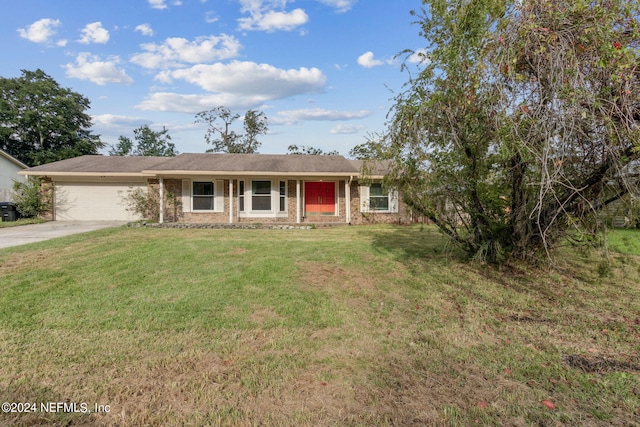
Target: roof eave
[(83, 174), (12, 159), (248, 173)]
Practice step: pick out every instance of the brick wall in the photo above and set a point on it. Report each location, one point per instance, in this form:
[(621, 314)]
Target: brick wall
[(403, 215), (357, 217)]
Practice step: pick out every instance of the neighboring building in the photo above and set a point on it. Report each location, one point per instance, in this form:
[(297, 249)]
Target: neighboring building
[(9, 168), (225, 188)]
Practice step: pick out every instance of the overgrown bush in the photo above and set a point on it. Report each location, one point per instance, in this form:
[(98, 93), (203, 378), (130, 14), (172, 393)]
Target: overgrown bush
[(146, 203), (30, 197)]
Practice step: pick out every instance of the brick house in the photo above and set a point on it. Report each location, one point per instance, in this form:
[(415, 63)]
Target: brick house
[(224, 188)]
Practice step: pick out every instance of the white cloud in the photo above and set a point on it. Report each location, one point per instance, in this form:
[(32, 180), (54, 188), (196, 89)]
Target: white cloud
[(291, 117), (345, 128), (158, 4), (162, 4), (340, 5), (89, 67), (94, 33), (274, 21), (193, 103), (145, 29), (114, 120), (247, 78), (265, 17), (174, 52), (238, 85), (367, 60), (420, 56), (211, 17), (40, 31)]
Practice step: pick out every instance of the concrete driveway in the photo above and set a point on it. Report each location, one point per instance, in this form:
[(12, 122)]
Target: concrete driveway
[(15, 236)]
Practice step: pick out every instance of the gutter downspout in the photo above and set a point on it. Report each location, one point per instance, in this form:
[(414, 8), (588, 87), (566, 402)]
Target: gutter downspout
[(161, 200)]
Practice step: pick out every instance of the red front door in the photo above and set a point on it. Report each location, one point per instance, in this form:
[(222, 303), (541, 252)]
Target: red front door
[(319, 198)]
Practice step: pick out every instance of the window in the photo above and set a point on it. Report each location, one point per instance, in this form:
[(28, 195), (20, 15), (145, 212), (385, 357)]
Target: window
[(241, 196), (283, 196), (203, 196), (261, 195), (378, 198)]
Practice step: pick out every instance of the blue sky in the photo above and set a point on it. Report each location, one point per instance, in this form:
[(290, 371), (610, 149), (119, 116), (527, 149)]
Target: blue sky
[(323, 71)]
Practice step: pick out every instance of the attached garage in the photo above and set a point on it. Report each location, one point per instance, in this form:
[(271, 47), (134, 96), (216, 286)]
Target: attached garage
[(94, 187), (91, 201)]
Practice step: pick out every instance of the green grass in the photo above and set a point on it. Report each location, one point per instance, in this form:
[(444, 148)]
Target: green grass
[(353, 326), (625, 241), (21, 221)]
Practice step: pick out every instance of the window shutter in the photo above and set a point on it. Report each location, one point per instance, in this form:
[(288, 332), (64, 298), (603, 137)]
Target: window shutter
[(218, 199), (393, 200), (186, 195), (364, 198)]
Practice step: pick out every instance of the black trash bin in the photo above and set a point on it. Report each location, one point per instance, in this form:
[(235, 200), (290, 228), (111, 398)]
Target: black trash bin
[(9, 211)]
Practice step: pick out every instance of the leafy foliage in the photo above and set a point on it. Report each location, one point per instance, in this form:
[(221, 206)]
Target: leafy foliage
[(145, 202), (308, 150), (148, 143), (224, 139), (373, 149), (30, 197), (41, 122), (522, 124)]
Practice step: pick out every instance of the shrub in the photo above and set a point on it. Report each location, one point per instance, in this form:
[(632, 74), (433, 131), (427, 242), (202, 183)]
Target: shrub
[(31, 197), (146, 203)]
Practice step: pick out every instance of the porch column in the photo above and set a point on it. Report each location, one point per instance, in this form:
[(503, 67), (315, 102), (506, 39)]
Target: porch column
[(298, 201), (161, 219), (230, 201), (347, 199)]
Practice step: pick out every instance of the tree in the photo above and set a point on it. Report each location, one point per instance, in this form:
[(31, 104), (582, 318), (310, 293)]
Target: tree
[(148, 143), (308, 150), (224, 139), (522, 123), (41, 122), (374, 148)]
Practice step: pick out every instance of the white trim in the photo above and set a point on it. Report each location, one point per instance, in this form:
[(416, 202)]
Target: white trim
[(12, 159), (393, 201), (244, 198), (364, 198), (286, 197), (248, 174), (161, 201), (218, 195), (274, 194), (230, 201), (186, 195), (298, 201), (347, 200)]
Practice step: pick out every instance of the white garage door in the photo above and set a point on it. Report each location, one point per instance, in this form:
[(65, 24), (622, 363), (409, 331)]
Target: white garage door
[(93, 201)]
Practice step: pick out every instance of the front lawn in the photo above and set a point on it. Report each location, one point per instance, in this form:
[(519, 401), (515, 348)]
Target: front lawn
[(355, 326)]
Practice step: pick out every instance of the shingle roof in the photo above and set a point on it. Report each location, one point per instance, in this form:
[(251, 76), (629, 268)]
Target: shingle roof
[(265, 163), (99, 164), (373, 168)]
